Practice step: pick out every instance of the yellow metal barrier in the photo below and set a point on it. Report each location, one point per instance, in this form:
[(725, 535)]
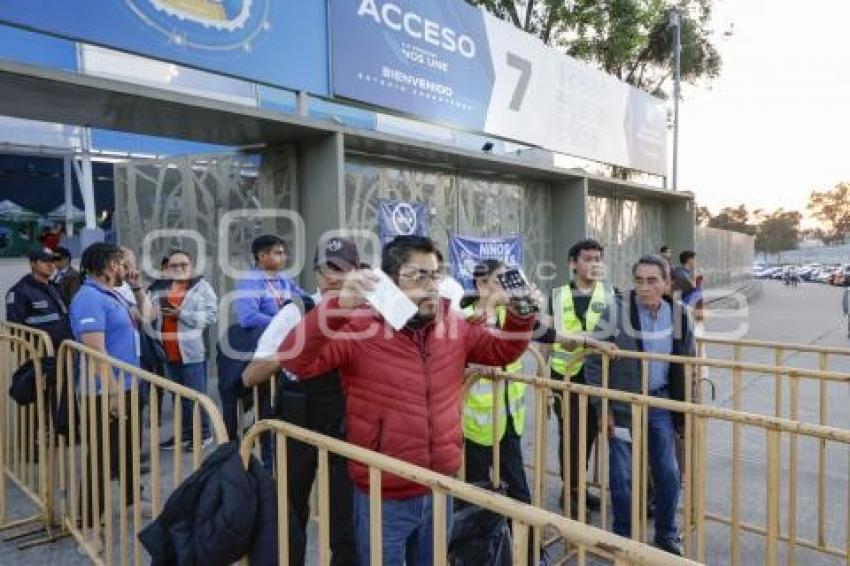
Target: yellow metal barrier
[(24, 435), (103, 428), (538, 460), (523, 517), (696, 462)]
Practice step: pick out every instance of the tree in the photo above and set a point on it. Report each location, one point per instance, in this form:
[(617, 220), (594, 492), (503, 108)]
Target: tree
[(734, 218), (832, 208), (703, 216), (778, 231), (630, 39)]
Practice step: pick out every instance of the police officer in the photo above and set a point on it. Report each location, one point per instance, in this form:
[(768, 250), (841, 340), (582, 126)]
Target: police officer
[(37, 302), (577, 308)]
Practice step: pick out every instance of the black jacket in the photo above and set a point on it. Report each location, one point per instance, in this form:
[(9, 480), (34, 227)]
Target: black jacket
[(241, 341), (620, 323), (68, 284), (218, 515), (39, 305)]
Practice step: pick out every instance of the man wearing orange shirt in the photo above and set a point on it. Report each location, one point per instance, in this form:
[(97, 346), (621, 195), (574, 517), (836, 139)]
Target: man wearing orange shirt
[(187, 305)]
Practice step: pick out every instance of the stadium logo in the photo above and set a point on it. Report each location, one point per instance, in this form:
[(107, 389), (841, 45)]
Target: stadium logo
[(212, 25)]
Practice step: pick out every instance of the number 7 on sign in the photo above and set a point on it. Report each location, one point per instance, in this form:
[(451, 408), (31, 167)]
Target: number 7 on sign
[(524, 68)]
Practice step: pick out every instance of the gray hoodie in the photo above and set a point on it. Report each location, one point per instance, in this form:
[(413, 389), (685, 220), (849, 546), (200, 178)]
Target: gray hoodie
[(198, 311)]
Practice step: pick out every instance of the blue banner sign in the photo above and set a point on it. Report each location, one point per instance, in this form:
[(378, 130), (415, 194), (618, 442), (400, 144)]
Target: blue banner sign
[(467, 251), (448, 62), (399, 218), (277, 42), (427, 59)]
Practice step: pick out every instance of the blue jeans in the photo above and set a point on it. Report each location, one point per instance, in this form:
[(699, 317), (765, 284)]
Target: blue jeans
[(665, 475), (407, 528), (193, 376)]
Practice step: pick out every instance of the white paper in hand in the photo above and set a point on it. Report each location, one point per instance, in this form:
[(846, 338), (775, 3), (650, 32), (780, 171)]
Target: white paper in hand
[(388, 300)]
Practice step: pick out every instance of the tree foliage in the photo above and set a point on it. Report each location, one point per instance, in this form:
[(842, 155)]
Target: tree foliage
[(774, 231), (832, 208), (630, 39), (703, 216), (778, 231), (732, 218)]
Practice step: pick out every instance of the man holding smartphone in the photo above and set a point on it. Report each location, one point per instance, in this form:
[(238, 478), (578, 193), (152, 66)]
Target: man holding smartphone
[(402, 387)]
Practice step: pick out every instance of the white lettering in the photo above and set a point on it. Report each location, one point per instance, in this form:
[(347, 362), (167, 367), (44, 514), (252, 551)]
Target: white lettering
[(417, 27), (449, 42), (494, 249), (367, 7), (408, 28), (417, 82), (432, 33), (466, 46), (385, 11)]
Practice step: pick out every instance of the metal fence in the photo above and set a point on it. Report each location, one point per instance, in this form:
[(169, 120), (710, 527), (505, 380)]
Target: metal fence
[(27, 434), (111, 418), (696, 465), (523, 517)]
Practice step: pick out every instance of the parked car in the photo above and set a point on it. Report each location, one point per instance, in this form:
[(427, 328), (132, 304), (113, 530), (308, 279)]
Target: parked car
[(807, 271), (841, 277), (779, 272), (767, 272), (825, 274)]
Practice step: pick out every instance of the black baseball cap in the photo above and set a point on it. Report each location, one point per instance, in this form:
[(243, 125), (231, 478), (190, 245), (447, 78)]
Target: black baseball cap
[(41, 254), (337, 253), (61, 252)]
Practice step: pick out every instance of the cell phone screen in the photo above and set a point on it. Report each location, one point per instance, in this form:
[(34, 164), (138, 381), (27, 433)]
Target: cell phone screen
[(513, 281)]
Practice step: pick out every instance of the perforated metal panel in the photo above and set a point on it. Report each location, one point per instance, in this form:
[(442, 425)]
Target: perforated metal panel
[(628, 229), (457, 203)]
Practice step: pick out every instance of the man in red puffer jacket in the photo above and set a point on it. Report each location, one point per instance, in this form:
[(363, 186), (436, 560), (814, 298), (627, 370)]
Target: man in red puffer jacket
[(403, 388)]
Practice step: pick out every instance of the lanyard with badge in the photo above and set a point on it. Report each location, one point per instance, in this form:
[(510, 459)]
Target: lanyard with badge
[(279, 298)]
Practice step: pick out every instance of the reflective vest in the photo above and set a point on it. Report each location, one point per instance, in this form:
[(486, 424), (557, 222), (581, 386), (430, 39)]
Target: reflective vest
[(478, 405), (565, 362)]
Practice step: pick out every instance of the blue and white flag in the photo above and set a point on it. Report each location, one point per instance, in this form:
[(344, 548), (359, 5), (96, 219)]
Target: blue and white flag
[(467, 251), (400, 218)]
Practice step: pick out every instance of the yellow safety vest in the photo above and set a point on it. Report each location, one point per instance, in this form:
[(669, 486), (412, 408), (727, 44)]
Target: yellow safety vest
[(478, 405), (565, 362)]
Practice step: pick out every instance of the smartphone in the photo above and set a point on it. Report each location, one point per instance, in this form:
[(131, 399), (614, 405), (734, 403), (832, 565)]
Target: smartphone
[(513, 281)]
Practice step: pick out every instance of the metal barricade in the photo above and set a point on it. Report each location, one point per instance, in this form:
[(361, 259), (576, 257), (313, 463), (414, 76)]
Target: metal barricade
[(696, 463), (105, 422), (784, 355), (497, 387), (24, 452), (523, 517)]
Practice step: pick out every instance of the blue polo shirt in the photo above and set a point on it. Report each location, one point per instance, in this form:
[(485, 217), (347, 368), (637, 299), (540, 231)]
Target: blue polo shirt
[(260, 297), (657, 335), (96, 308)]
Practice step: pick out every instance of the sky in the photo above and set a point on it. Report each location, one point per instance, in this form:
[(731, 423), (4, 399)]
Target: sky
[(775, 125)]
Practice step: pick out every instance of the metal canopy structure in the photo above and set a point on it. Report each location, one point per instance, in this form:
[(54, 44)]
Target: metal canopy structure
[(37, 93)]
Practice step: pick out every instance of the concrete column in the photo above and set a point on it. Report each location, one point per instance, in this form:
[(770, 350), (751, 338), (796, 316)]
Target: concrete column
[(569, 223), (86, 180), (321, 182), (681, 225), (69, 194)]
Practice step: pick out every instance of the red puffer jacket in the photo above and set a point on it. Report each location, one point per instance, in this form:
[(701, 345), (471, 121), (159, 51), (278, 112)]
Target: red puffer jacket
[(403, 388)]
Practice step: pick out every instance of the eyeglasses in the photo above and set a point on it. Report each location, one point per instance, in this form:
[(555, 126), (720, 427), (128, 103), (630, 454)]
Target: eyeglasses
[(422, 276), (181, 265)]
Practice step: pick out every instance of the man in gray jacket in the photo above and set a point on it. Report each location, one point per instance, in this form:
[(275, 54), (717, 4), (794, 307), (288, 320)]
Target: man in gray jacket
[(645, 321), (185, 306)]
